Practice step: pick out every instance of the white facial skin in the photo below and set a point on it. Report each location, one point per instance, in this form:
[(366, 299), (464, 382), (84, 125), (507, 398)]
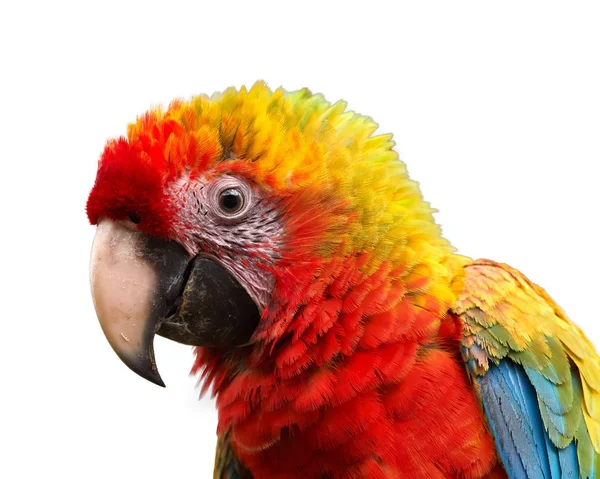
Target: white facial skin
[(227, 219)]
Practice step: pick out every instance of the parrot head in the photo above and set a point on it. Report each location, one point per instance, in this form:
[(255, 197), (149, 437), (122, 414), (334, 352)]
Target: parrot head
[(248, 218)]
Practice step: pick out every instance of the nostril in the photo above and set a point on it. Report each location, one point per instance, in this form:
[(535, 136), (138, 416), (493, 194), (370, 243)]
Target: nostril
[(135, 218)]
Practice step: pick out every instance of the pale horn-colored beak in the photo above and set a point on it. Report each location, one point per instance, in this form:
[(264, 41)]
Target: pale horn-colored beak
[(135, 280)]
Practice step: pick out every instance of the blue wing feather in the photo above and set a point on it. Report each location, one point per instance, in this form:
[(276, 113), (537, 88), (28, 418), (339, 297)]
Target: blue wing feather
[(511, 405)]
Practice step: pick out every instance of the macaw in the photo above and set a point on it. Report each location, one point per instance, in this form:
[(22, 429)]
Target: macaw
[(340, 333)]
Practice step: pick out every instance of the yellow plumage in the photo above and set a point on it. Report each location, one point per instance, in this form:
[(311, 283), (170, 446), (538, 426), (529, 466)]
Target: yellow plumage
[(507, 316)]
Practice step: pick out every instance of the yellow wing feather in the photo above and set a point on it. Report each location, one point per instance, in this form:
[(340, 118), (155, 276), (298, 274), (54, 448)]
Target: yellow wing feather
[(507, 316)]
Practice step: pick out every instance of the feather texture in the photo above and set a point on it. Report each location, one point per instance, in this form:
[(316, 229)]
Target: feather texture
[(227, 464), (535, 373)]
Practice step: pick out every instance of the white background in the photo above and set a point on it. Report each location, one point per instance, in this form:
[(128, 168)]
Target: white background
[(496, 110)]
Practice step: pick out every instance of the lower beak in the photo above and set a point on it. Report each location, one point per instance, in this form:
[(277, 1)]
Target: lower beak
[(142, 285)]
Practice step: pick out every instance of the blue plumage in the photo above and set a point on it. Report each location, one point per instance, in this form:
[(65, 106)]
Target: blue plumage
[(511, 404)]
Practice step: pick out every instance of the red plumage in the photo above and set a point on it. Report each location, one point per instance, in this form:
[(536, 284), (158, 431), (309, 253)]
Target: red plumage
[(365, 369), (354, 367)]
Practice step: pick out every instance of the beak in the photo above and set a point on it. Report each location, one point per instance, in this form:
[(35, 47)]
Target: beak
[(134, 280), (142, 285)]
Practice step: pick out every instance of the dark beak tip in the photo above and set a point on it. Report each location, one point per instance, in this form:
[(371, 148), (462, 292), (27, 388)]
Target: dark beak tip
[(149, 373), (144, 367), (156, 379)]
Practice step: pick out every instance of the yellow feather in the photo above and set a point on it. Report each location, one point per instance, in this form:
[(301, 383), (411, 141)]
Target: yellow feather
[(497, 296)]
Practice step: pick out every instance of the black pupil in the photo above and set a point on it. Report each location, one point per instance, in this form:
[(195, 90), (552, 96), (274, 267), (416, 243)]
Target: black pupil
[(231, 200)]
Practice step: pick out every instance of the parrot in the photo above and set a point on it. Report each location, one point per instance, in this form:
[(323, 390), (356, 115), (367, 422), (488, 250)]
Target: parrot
[(340, 334)]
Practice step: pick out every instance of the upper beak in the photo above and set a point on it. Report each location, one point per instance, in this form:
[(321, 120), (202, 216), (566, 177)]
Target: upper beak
[(135, 279), (142, 285)]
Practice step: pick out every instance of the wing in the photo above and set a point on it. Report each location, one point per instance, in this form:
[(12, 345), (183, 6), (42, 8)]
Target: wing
[(227, 464), (536, 375)]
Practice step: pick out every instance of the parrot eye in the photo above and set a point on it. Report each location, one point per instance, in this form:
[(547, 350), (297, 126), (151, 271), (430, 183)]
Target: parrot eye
[(230, 198), (231, 201)]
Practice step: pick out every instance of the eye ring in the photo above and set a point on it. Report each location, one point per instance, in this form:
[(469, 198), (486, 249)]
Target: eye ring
[(231, 201)]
